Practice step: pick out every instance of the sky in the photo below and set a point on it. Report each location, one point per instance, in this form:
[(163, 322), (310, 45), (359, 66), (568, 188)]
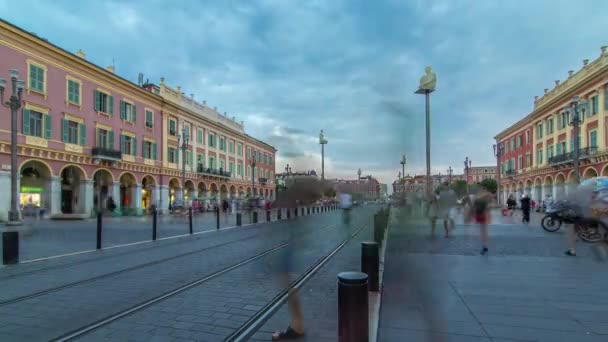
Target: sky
[(291, 68)]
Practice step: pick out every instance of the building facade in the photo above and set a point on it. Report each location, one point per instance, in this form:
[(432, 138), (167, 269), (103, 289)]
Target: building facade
[(476, 174), (364, 188), (537, 151), (86, 135)]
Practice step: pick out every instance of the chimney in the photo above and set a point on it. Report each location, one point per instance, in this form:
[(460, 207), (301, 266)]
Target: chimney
[(546, 90), (535, 98), (162, 80), (205, 102), (81, 54), (110, 68), (556, 83), (585, 62), (179, 89), (570, 73), (604, 48)]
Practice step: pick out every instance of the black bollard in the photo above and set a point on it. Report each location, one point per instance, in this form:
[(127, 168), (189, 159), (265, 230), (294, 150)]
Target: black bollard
[(295, 212), (353, 322), (280, 214), (268, 218), (370, 264), (308, 211), (255, 216), (10, 248), (190, 219), (217, 218), (154, 218), (99, 223), (288, 213), (302, 211), (239, 219)]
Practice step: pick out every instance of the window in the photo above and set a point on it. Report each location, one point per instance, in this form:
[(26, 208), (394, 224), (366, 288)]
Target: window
[(172, 155), (172, 127), (105, 138), (222, 165), (550, 152), (36, 123), (104, 103), (199, 136), (128, 145), (507, 147), (231, 146), (222, 144), (550, 126), (149, 118), (270, 160), (539, 156), (186, 129), (248, 170), (248, 153), (74, 92), (520, 162), (539, 131), (527, 137), (239, 169), (148, 150), (70, 132), (37, 77), (200, 162), (528, 160), (239, 150), (211, 140), (512, 144), (188, 157), (593, 139), (518, 141), (594, 105), (563, 147), (231, 169), (128, 111), (212, 163)]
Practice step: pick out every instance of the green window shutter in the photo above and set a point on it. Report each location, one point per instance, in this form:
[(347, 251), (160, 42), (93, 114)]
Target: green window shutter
[(176, 156), (134, 113), (143, 150), (64, 130), (122, 143), (111, 105), (47, 126), (123, 115), (595, 104), (191, 156), (97, 97), (82, 128), (154, 151), (134, 146), (97, 143), (26, 121), (110, 140)]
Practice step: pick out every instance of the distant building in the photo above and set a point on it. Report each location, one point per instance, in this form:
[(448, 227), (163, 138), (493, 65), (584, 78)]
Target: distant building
[(383, 191), (364, 188), (478, 173)]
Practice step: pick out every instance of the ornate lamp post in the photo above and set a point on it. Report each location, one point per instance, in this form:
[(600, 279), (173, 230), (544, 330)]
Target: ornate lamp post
[(426, 87), (450, 174), (467, 167), (323, 142), (14, 103), (577, 120), (498, 152), (184, 138), (403, 162)]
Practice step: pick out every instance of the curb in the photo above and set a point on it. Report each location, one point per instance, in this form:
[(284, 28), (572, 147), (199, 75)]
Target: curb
[(375, 299)]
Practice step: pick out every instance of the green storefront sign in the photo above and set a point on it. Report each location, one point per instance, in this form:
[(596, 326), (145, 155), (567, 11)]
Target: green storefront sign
[(31, 190)]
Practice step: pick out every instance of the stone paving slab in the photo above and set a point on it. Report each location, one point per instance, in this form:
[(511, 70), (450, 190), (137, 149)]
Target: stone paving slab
[(53, 314), (524, 290), (212, 311)]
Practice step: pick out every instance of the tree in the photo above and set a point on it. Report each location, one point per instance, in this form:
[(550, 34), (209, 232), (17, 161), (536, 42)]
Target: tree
[(489, 184), (460, 187)]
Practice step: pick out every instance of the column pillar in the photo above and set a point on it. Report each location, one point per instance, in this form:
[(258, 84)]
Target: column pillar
[(55, 196), (116, 198), (161, 196), (86, 193), (136, 199)]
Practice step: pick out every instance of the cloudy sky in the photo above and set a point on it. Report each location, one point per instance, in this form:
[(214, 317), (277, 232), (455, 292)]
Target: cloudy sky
[(291, 68)]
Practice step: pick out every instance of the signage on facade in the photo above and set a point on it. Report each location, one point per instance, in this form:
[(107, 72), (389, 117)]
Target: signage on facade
[(31, 190)]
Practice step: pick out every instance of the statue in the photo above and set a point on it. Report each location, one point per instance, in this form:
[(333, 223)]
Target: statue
[(322, 138), (399, 176), (428, 81), (359, 173)]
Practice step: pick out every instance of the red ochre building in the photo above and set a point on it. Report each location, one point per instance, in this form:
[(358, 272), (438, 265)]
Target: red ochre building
[(364, 188), (85, 134), (537, 150)]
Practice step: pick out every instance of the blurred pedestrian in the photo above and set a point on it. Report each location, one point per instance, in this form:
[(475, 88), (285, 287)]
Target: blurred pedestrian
[(481, 215), (525, 208), (511, 204), (447, 209), (432, 211)]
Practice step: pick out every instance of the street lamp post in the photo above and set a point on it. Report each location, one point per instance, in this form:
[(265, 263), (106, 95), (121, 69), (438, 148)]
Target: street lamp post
[(577, 120), (450, 174), (184, 138), (426, 87), (498, 152), (323, 142), (14, 103), (403, 162), (467, 167)]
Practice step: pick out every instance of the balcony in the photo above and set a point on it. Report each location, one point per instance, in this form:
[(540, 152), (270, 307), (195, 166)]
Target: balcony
[(263, 180), (564, 158), (510, 172), (213, 172), (103, 153)]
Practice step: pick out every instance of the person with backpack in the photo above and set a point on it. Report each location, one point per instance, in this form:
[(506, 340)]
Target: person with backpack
[(481, 215)]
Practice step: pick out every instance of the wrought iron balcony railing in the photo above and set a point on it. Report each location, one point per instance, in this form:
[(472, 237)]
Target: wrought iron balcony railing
[(263, 180), (213, 172), (583, 153), (106, 153)]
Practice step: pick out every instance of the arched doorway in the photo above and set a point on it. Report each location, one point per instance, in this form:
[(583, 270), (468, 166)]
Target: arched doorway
[(560, 189), (261, 193), (213, 192), (128, 195), (223, 192), (537, 193), (103, 184), (528, 188), (548, 188), (174, 191), (605, 170), (241, 191), (148, 188), (266, 194), (35, 188), (589, 173), (189, 190), (202, 190), (232, 191), (73, 192)]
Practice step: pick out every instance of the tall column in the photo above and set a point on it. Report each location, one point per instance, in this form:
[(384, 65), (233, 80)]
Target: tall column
[(5, 201), (55, 198), (162, 199), (116, 198), (136, 199), (86, 193)]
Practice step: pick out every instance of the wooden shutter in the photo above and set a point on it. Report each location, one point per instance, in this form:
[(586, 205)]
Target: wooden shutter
[(134, 146), (97, 97), (47, 126), (123, 115), (134, 113), (26, 121), (111, 105), (122, 143), (110, 140), (176, 153), (154, 151), (65, 130), (143, 150), (82, 129)]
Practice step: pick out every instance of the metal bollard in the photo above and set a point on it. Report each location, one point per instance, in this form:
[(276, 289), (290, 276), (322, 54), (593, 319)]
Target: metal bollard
[(268, 218), (370, 264), (279, 214), (255, 217), (288, 213), (239, 219), (154, 218), (217, 218), (353, 321), (190, 220), (10, 248), (308, 211), (99, 223), (302, 211), (295, 212)]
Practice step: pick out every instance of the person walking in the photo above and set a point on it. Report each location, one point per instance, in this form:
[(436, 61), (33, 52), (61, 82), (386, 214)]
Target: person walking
[(511, 204), (525, 208), (432, 211), (481, 215)]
